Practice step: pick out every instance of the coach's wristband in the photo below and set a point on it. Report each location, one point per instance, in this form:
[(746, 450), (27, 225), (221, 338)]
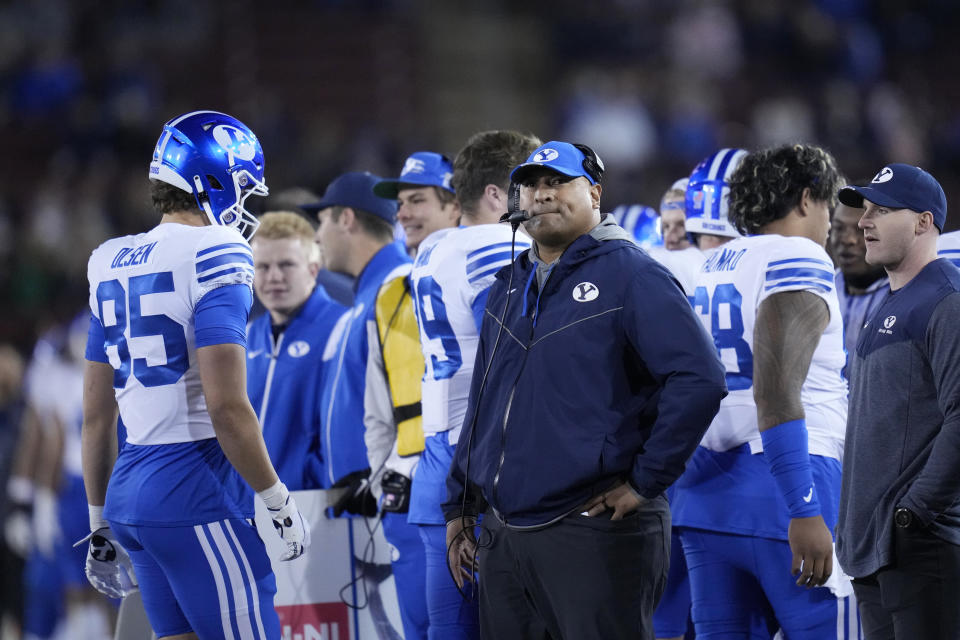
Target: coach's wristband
[(785, 449), (274, 497), (95, 513)]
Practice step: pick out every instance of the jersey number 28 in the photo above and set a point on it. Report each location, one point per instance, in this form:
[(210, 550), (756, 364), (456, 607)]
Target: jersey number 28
[(727, 330)]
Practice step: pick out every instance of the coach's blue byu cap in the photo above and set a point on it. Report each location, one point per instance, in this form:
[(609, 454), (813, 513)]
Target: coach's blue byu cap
[(901, 186), (422, 169), (561, 157), (355, 190)]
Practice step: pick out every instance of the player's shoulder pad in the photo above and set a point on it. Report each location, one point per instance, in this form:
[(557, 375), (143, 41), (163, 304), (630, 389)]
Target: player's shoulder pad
[(222, 256), (489, 248), (791, 261), (105, 253), (798, 249)]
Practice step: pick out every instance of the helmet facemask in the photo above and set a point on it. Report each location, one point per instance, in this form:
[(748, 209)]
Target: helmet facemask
[(233, 215)]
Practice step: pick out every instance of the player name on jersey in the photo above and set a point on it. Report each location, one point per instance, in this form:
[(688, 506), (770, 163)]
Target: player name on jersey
[(723, 260), (132, 256)]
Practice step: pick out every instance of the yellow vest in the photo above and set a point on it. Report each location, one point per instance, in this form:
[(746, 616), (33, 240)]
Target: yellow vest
[(402, 361)]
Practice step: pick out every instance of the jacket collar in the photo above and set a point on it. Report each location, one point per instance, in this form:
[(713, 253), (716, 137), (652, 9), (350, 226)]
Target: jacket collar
[(377, 269), (602, 239)]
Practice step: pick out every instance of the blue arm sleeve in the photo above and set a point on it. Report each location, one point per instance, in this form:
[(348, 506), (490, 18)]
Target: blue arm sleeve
[(479, 304), (220, 316), (96, 352)]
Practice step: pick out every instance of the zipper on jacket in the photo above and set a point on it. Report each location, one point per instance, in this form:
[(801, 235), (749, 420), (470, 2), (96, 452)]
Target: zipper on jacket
[(274, 353), (513, 389), (503, 444), (327, 426)]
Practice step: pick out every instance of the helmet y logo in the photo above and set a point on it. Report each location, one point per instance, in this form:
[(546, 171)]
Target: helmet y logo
[(235, 142)]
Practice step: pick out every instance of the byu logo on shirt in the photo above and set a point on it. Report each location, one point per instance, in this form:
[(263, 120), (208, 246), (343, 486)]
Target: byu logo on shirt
[(298, 349), (546, 155), (888, 323), (585, 292), (885, 174)]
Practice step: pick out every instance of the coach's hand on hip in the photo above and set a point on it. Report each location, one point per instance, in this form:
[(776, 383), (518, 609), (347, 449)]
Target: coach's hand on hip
[(461, 549), (621, 497)]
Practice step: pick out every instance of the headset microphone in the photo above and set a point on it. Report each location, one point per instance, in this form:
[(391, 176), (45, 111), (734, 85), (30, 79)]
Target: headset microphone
[(516, 217)]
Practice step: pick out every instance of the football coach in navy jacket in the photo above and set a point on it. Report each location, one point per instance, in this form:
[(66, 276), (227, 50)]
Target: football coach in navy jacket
[(586, 402)]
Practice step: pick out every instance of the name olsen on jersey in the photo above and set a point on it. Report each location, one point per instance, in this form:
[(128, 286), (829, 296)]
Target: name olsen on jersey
[(130, 257)]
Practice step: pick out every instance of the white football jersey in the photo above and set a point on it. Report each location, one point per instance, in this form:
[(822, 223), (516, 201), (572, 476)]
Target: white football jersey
[(68, 381), (684, 264), (54, 389), (732, 284), (948, 246), (144, 289), (451, 275), (42, 368)]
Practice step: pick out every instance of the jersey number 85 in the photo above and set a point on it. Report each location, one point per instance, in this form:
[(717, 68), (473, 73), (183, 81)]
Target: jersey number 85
[(126, 311)]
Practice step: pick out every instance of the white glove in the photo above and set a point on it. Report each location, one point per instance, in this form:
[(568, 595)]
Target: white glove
[(17, 532), (109, 569), (287, 520), (46, 521), (17, 527)]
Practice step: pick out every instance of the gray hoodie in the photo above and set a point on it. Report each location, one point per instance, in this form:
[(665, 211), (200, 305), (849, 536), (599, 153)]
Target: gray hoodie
[(607, 229)]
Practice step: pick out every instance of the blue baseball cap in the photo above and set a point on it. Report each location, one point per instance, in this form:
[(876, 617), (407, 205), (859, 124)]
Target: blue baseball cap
[(355, 190), (901, 186), (561, 157), (422, 169)]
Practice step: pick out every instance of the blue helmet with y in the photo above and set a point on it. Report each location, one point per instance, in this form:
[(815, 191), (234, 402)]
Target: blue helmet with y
[(640, 221), (218, 159), (708, 194)]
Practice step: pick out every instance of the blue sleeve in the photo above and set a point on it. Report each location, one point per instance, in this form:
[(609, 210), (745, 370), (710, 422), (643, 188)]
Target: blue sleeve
[(674, 347), (220, 316), (479, 304), (96, 351)]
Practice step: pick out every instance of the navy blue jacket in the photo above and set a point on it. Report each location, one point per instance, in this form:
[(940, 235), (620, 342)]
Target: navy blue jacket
[(604, 375)]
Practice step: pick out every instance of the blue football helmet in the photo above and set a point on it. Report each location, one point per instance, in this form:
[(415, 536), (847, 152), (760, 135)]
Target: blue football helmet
[(218, 159), (708, 191), (642, 222)]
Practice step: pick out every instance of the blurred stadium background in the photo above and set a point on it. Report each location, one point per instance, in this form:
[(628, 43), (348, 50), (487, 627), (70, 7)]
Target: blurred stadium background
[(333, 85)]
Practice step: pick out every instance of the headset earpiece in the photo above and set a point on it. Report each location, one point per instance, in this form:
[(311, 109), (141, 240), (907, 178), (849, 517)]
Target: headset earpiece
[(513, 197), (514, 215), (592, 163)]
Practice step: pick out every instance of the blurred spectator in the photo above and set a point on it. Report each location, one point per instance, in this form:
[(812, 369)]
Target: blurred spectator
[(11, 407), (608, 113)]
